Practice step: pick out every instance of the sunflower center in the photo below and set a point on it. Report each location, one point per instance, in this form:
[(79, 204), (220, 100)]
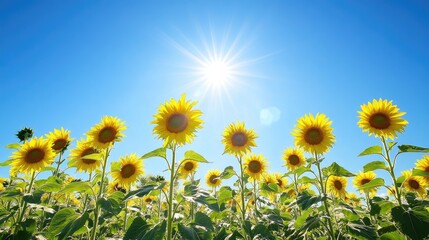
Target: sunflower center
[(379, 121), (338, 185), (177, 123), (107, 135), (239, 139), (188, 166), (365, 181), (34, 155), (414, 184), (59, 144), (255, 166), (128, 170), (313, 136), (427, 169), (148, 200), (213, 179), (279, 182), (88, 151), (293, 160)]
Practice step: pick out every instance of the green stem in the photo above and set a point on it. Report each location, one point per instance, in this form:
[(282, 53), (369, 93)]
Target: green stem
[(255, 196), (242, 186), (391, 171), (125, 217), (97, 205), (170, 197), (24, 204), (56, 173)]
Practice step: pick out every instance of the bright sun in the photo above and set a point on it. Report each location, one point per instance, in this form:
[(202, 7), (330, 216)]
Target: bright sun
[(216, 72)]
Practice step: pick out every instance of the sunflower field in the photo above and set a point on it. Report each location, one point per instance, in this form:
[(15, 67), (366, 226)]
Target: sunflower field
[(308, 200)]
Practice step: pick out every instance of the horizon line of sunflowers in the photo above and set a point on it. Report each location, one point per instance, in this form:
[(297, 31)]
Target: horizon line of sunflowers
[(176, 123)]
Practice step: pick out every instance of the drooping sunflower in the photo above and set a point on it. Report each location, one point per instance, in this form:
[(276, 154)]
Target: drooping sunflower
[(213, 178), (176, 121), (237, 139), (314, 133), (294, 158), (381, 118), (337, 186), (364, 178), (131, 169), (423, 164), (60, 139), (187, 167), (33, 155), (107, 132), (280, 180), (84, 147), (255, 166), (414, 183)]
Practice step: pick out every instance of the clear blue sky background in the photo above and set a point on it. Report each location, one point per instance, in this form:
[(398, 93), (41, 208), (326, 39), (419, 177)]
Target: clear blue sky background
[(68, 63)]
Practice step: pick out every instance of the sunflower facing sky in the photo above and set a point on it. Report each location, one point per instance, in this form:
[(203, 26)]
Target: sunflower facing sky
[(33, 155), (238, 140), (293, 158), (423, 164), (131, 169), (187, 167), (176, 121), (381, 118), (107, 132), (337, 186), (363, 178), (60, 139), (255, 166), (414, 183), (84, 147), (314, 133), (213, 178)]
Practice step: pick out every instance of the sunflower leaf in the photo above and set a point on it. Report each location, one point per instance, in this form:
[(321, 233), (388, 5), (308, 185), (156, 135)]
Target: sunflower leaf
[(115, 167), (143, 191), (361, 231), (6, 163), (411, 148), (159, 152), (191, 155), (306, 200), (228, 173), (336, 170), (82, 187), (372, 150), (13, 146), (374, 166), (419, 172), (412, 222), (93, 156), (377, 182)]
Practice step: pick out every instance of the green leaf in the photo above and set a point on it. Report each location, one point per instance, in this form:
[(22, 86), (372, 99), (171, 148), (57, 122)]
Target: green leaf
[(61, 219), (115, 167), (228, 173), (336, 170), (372, 150), (159, 152), (137, 229), (419, 172), (412, 222), (188, 233), (6, 163), (73, 226), (391, 145), (300, 220), (143, 191), (35, 197), (271, 187), (224, 194), (93, 156), (392, 236), (411, 148), (52, 184), (300, 170), (157, 232), (81, 187), (203, 220), (13, 146), (374, 166), (26, 229), (191, 155), (221, 235), (376, 182), (305, 200), (361, 231)]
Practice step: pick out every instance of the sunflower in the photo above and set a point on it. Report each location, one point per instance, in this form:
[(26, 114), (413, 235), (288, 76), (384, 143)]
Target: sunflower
[(176, 122), (107, 132), (114, 186), (213, 178), (255, 166), (84, 147), (352, 199), (314, 133), (131, 169), (187, 167), (237, 139), (363, 178), (60, 139), (294, 158), (268, 178), (33, 155), (423, 164), (3, 184), (149, 199), (337, 186), (381, 118), (280, 180), (414, 183)]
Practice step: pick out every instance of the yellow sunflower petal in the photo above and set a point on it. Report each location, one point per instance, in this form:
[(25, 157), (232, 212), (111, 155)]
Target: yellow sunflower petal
[(337, 186), (237, 139), (213, 179), (255, 166), (107, 132), (131, 169)]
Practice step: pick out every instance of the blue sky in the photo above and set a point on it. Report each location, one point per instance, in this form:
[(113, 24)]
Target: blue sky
[(68, 63)]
